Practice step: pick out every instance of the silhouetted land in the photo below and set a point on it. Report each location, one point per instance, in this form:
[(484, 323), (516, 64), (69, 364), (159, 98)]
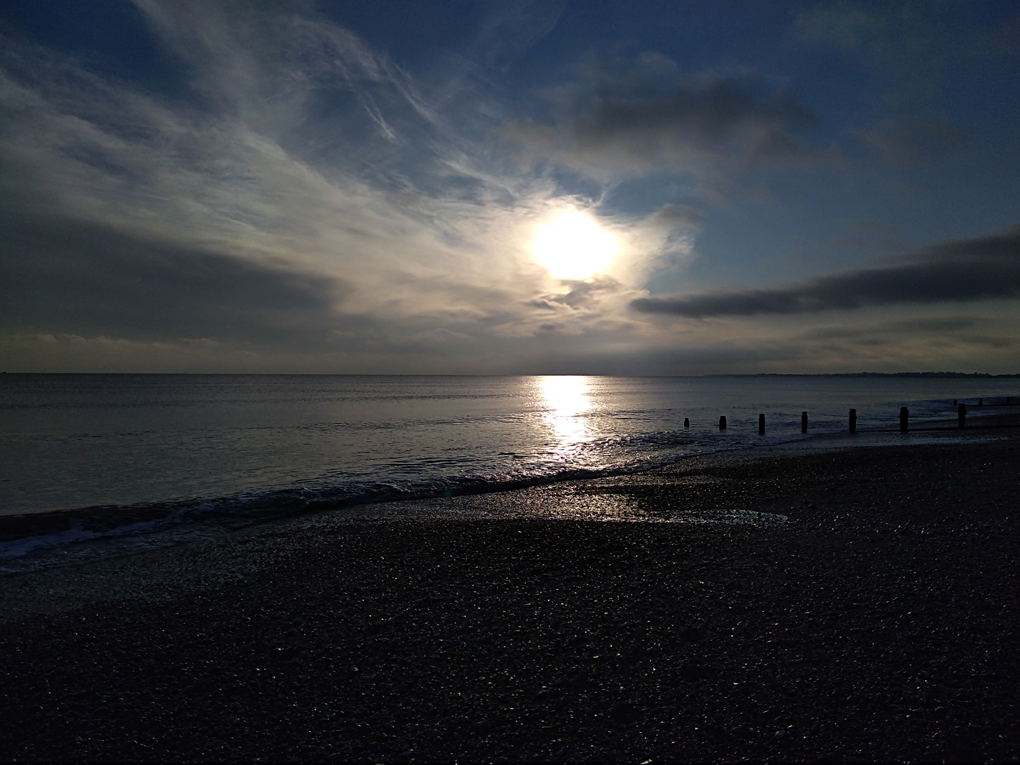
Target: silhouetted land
[(881, 622)]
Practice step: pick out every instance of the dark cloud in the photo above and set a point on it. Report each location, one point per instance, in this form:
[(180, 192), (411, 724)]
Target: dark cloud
[(914, 139), (961, 332), (83, 278), (840, 25), (544, 303), (582, 294), (644, 125), (972, 269), (676, 215), (922, 326), (709, 115), (999, 343)]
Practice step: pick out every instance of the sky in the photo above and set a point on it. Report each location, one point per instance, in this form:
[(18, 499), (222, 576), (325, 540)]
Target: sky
[(509, 187)]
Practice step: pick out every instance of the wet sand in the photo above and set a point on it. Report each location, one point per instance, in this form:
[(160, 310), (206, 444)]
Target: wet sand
[(880, 621)]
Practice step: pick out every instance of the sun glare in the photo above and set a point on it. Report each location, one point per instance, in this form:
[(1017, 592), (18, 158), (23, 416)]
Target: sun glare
[(574, 246), (567, 401)]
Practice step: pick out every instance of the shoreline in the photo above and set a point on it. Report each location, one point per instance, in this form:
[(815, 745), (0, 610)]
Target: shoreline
[(153, 517), (878, 622)]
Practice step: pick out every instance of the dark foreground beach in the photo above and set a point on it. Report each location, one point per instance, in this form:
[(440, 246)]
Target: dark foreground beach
[(880, 621)]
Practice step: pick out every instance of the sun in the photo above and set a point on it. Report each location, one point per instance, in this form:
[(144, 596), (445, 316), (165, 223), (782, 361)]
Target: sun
[(574, 246)]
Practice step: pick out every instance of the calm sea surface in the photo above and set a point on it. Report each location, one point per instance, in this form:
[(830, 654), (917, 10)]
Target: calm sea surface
[(240, 443)]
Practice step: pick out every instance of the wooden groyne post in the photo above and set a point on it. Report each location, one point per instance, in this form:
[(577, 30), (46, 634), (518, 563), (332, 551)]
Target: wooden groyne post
[(853, 420), (904, 414), (722, 423), (687, 422), (961, 415), (803, 422), (761, 424)]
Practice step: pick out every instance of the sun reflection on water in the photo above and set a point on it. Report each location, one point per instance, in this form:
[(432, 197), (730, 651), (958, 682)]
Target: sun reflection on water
[(568, 400)]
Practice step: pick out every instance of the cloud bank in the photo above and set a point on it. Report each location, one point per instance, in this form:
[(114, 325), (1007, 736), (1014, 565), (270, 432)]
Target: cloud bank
[(974, 269)]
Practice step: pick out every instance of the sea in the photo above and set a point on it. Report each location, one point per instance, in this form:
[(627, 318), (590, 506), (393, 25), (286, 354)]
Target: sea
[(156, 459)]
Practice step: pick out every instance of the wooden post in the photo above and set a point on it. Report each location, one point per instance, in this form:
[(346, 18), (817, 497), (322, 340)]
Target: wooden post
[(687, 422), (853, 420), (803, 422), (722, 423), (961, 415), (761, 424), (904, 413)]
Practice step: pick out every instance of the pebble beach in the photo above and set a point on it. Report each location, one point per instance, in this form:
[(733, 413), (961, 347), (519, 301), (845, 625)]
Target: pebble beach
[(853, 604)]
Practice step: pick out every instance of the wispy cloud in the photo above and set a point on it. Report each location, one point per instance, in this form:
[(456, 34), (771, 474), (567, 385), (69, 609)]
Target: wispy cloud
[(310, 195)]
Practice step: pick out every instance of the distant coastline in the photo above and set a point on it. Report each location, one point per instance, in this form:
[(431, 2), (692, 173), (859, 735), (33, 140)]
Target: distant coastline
[(982, 375), (927, 375)]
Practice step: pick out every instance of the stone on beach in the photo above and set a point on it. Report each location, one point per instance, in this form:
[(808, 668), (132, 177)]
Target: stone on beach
[(879, 621)]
